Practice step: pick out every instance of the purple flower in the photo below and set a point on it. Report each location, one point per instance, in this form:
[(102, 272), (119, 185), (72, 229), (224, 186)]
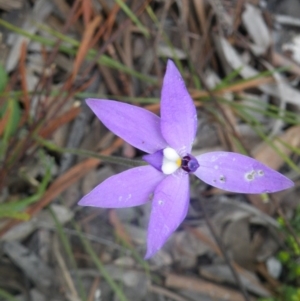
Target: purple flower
[(168, 141)]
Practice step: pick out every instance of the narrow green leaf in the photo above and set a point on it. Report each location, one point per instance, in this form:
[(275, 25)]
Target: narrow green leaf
[(155, 20), (83, 95), (133, 17), (3, 78), (255, 126), (7, 296), (67, 246), (12, 108), (16, 215), (227, 80), (13, 209), (100, 265), (73, 48), (109, 159)]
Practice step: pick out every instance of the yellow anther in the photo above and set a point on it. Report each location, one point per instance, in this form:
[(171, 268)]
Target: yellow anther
[(178, 162)]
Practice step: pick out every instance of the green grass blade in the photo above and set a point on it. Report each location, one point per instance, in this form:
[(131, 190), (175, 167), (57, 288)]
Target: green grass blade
[(72, 50), (226, 81), (83, 95), (271, 111), (155, 20), (12, 108), (23, 216), (109, 159), (3, 78), (12, 209), (103, 60), (133, 17), (67, 246), (144, 264), (118, 291), (294, 149), (7, 296), (250, 120)]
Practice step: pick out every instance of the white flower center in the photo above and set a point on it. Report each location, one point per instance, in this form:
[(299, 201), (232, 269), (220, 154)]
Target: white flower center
[(171, 161)]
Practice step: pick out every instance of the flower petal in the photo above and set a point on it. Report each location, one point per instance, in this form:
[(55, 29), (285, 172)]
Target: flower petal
[(132, 187), (238, 173), (135, 125), (156, 159), (178, 112), (169, 208)]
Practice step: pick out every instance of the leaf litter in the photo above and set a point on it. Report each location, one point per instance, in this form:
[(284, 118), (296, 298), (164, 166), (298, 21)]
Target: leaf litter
[(254, 110)]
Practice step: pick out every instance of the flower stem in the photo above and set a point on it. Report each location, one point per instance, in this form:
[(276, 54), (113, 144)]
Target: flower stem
[(108, 159)]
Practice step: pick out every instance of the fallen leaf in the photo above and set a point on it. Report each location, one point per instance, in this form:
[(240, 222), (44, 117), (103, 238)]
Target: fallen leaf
[(215, 291), (267, 155)]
